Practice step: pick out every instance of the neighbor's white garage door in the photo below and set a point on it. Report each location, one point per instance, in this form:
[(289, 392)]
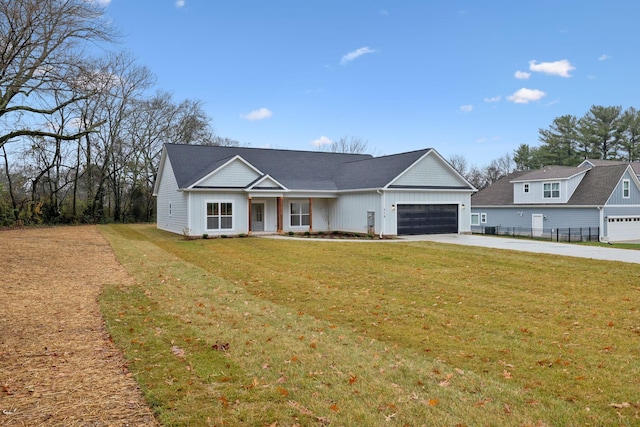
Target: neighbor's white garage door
[(623, 228)]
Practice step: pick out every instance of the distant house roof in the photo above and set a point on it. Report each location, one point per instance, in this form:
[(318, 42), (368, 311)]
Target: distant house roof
[(550, 172), (297, 170), (499, 193), (594, 189)]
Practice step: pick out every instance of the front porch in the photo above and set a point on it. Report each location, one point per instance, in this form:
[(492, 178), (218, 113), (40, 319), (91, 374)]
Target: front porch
[(278, 214)]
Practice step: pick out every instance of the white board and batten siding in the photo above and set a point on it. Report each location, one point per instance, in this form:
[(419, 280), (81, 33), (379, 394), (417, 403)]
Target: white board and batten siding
[(198, 213), (350, 213), (236, 173), (172, 204), (429, 171)]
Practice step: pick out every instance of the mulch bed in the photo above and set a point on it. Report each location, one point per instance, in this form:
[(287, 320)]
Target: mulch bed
[(58, 366)]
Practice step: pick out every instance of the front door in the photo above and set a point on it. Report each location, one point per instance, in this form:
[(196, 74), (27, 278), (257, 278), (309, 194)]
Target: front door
[(537, 221), (257, 216)]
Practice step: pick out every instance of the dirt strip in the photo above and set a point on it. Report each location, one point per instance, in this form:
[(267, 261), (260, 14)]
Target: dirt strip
[(57, 364)]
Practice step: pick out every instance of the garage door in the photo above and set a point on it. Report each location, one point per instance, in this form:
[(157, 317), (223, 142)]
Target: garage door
[(620, 229), (427, 219)]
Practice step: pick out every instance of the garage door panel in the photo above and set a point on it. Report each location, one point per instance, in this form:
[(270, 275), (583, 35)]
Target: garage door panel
[(623, 228), (427, 219)]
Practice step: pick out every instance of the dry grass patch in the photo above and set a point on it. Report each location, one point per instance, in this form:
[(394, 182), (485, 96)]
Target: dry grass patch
[(57, 365), (320, 333)]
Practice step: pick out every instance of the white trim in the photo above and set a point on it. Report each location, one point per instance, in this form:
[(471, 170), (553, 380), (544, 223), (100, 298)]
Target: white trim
[(551, 190), (219, 229), (628, 189), (483, 217), (264, 178), (477, 215)]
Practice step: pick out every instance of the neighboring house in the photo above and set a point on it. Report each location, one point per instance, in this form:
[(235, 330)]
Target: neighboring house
[(601, 194), (231, 190)]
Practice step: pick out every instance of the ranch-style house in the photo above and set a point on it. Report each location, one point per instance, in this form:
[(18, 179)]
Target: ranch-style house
[(216, 190)]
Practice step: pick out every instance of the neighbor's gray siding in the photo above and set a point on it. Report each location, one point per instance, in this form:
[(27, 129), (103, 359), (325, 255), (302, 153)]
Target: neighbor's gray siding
[(536, 191), (520, 217), (430, 171), (616, 197), (168, 195), (235, 174)]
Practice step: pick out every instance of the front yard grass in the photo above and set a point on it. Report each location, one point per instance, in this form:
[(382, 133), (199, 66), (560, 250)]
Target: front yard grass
[(269, 332)]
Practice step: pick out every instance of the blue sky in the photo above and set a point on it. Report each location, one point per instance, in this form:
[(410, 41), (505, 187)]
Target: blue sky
[(475, 78)]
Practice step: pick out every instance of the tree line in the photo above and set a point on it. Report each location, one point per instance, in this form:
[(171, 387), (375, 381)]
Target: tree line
[(605, 133), (80, 134)]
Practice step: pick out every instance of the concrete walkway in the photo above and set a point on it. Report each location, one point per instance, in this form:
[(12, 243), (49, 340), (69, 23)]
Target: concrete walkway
[(536, 246)]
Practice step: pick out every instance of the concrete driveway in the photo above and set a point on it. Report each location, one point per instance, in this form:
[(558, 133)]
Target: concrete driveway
[(564, 249)]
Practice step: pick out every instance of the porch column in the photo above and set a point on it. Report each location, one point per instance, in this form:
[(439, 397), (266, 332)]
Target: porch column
[(280, 213), (310, 214), (249, 199)]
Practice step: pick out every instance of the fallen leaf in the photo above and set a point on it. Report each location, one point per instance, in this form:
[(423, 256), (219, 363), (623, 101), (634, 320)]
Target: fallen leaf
[(620, 405), (177, 351), (334, 407), (433, 402), (353, 379)]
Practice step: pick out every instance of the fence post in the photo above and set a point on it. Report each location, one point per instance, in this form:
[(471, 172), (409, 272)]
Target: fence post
[(581, 234), (557, 234)]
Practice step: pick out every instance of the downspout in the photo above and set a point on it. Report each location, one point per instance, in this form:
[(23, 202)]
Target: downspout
[(189, 213), (601, 223), (383, 212)]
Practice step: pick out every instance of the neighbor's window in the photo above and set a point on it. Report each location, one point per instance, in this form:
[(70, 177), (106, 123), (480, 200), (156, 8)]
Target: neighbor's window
[(299, 214), (169, 209), (475, 219), (219, 216), (526, 188), (626, 188), (551, 190), (483, 218)]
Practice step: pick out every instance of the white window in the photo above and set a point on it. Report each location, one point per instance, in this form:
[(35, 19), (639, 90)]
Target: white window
[(475, 219), (551, 190), (299, 214), (626, 188), (526, 188), (483, 218), (219, 216)]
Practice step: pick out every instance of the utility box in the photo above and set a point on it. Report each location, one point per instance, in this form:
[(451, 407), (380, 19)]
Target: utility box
[(371, 222)]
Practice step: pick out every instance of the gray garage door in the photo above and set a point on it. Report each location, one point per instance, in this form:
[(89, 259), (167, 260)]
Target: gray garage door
[(427, 219)]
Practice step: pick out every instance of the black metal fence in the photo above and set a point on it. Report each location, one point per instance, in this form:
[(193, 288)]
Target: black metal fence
[(570, 234)]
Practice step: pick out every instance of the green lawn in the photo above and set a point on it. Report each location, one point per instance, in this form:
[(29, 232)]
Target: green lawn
[(371, 333)]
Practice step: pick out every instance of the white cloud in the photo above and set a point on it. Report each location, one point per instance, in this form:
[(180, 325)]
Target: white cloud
[(323, 140), (493, 99), (604, 57), (522, 75), (101, 3), (180, 3), (466, 108), (558, 68), (384, 12), (525, 96), (356, 53), (259, 114)]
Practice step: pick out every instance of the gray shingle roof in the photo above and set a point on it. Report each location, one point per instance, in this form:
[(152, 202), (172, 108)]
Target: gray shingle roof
[(594, 189), (550, 172), (500, 193), (597, 185), (297, 170)]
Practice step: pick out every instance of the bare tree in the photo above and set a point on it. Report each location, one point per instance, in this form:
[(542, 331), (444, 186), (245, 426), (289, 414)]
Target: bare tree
[(352, 145), (459, 163), (40, 46)]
